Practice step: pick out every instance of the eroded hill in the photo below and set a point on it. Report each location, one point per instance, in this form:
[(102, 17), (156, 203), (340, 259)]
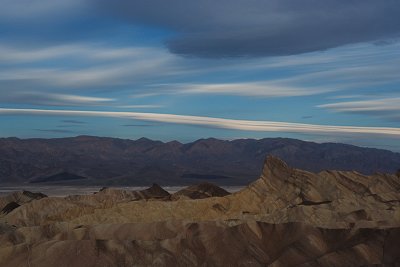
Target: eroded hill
[(288, 217)]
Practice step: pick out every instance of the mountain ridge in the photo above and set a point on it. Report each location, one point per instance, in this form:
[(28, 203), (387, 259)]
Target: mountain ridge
[(113, 161)]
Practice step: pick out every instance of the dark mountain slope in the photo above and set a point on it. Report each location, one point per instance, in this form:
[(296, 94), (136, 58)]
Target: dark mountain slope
[(112, 161)]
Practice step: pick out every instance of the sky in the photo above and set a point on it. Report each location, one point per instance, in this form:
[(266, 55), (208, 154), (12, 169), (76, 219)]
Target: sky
[(322, 71)]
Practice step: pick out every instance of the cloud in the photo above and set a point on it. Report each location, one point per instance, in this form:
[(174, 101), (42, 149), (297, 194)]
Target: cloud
[(326, 78), (50, 99), (137, 125), (306, 117), (224, 28), (233, 124), (57, 131), (229, 28), (93, 51), (384, 107), (37, 22), (144, 95), (385, 104), (73, 121), (264, 89), (140, 106), (89, 65), (150, 71), (74, 99), (26, 9), (349, 77)]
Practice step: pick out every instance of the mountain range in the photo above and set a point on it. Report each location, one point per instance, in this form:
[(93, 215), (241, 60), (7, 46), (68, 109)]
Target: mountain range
[(90, 160)]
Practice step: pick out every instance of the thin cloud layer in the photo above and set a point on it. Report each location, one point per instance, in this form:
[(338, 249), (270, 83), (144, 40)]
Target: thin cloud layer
[(149, 72), (51, 99), (384, 107), (385, 104), (56, 131), (263, 89), (73, 121), (243, 125)]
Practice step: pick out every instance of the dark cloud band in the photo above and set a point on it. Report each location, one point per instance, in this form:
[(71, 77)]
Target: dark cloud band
[(224, 28), (229, 28)]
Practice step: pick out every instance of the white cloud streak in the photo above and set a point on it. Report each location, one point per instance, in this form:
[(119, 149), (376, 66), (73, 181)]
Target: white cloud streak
[(140, 106), (89, 65), (80, 50), (80, 99), (233, 124), (264, 89), (52, 99), (89, 68), (384, 104)]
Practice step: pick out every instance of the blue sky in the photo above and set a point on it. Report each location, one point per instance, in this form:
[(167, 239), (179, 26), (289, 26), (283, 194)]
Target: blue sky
[(183, 70)]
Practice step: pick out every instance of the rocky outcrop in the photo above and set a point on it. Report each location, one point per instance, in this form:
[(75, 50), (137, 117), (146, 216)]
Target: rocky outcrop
[(17, 199), (10, 207), (288, 217), (200, 191), (154, 192), (33, 195)]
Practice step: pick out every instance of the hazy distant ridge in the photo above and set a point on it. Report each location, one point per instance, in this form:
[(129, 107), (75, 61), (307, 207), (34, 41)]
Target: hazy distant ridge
[(143, 161)]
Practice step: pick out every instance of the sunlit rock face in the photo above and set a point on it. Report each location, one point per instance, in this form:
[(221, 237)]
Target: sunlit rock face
[(288, 217)]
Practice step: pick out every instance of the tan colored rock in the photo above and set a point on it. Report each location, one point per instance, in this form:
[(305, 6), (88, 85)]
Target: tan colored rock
[(288, 217), (200, 191)]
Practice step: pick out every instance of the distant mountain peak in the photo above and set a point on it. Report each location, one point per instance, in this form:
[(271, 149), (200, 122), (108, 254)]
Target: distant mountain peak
[(144, 139)]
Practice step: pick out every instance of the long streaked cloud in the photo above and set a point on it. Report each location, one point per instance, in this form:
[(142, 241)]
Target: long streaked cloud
[(73, 121), (57, 131), (93, 66), (304, 84), (93, 51), (88, 77), (233, 124), (384, 104), (80, 99), (137, 125), (140, 106), (264, 89), (52, 99), (85, 66), (388, 108)]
